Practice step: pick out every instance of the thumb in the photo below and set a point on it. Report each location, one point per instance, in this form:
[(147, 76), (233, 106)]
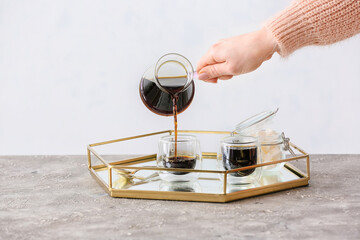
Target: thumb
[(213, 71)]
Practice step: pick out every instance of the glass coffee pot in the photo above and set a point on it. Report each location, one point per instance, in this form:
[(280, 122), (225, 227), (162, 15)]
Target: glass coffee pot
[(171, 77)]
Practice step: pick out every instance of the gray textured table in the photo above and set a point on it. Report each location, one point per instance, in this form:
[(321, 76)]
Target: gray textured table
[(53, 197)]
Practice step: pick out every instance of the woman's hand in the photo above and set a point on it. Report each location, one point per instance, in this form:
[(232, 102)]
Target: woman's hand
[(236, 55)]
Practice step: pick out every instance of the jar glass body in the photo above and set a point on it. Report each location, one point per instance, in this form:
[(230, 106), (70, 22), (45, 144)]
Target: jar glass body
[(272, 148)]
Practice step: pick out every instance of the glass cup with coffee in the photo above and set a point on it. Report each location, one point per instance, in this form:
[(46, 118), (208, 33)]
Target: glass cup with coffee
[(186, 156), (237, 152)]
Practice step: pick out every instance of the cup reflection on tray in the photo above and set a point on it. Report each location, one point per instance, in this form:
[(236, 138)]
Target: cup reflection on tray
[(235, 188), (192, 186), (271, 177)]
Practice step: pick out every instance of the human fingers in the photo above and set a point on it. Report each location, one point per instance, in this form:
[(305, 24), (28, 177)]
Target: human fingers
[(213, 80), (225, 77), (213, 71), (207, 59)]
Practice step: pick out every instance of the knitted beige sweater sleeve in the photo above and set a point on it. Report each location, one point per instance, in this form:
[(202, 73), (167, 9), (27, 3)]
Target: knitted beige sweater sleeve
[(314, 22)]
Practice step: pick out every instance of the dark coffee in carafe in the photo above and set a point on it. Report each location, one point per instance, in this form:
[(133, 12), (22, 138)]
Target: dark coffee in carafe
[(160, 102)]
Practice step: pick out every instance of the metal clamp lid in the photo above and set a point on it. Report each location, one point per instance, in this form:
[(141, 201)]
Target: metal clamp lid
[(287, 144)]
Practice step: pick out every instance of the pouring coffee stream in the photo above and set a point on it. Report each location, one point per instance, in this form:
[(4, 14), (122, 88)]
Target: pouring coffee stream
[(168, 88), (174, 99), (174, 91), (175, 85)]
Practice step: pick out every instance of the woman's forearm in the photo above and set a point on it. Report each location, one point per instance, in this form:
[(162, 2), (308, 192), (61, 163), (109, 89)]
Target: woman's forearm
[(314, 22)]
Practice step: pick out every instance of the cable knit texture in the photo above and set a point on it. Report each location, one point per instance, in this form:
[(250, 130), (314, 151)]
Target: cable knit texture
[(314, 22)]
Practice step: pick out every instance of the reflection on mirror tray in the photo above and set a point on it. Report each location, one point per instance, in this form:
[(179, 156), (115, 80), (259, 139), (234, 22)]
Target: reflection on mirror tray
[(209, 183), (271, 177), (125, 179), (240, 187), (192, 186)]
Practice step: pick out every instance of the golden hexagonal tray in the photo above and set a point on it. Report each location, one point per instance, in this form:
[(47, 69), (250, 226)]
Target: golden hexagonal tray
[(131, 176)]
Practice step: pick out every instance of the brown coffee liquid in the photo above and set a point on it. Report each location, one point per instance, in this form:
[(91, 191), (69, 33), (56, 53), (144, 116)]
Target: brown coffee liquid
[(174, 99), (235, 157), (159, 101), (180, 162)]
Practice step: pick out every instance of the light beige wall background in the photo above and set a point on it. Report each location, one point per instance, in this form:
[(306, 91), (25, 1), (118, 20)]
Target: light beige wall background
[(69, 75)]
